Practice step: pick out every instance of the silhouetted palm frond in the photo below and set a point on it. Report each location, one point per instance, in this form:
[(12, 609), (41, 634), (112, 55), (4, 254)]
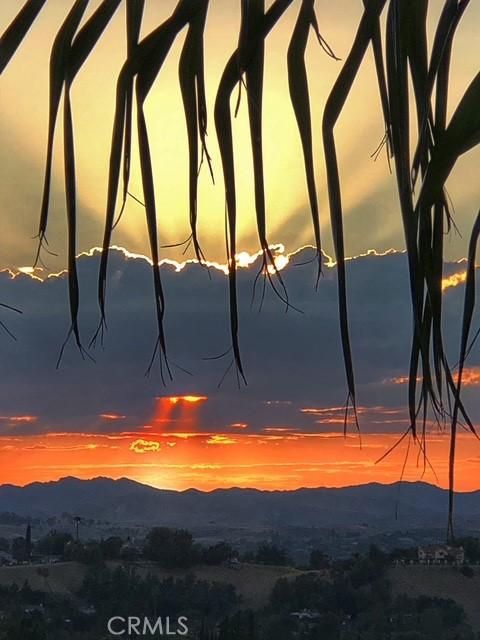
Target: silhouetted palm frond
[(402, 59)]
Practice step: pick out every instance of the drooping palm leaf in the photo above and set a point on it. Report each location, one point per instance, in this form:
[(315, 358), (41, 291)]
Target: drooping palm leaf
[(469, 307), (252, 39), (223, 124), (192, 85), (461, 135), (58, 71), (17, 30), (66, 61), (335, 103), (377, 46), (299, 95), (439, 66), (135, 10), (440, 69)]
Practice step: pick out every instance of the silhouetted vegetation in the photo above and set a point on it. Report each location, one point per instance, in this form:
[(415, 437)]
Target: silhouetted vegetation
[(319, 559), (352, 600), (171, 548), (471, 547), (271, 554)]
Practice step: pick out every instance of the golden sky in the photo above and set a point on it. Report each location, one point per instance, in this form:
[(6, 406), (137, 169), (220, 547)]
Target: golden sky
[(371, 208)]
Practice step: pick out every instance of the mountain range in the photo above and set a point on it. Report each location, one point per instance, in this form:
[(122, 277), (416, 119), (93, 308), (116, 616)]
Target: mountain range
[(392, 506)]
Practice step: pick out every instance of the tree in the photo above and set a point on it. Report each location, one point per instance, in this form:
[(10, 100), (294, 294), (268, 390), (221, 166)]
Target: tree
[(18, 549), (171, 548), (77, 520), (271, 554), (111, 547), (319, 559), (53, 543), (239, 626), (467, 571), (28, 542), (217, 553), (426, 214), (472, 548)]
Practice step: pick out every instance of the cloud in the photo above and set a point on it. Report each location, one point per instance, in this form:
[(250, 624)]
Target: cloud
[(293, 361), (16, 420), (470, 378), (144, 446), (454, 280), (220, 439)]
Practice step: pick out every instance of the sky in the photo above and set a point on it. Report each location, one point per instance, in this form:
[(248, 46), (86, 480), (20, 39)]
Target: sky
[(371, 205), (285, 429)]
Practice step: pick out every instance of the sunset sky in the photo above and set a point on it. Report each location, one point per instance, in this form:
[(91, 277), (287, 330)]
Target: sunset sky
[(285, 429)]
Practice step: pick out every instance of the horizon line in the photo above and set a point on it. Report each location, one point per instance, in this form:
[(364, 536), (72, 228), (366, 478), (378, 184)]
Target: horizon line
[(234, 487)]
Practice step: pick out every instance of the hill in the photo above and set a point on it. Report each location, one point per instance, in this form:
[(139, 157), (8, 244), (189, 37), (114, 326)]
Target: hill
[(439, 582), (419, 504), (253, 583)]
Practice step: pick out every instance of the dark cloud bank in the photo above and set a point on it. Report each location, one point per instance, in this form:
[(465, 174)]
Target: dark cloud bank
[(292, 360)]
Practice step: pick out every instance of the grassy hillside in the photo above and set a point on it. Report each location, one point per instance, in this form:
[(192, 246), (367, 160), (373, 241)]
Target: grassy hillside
[(253, 583), (439, 582), (64, 577)]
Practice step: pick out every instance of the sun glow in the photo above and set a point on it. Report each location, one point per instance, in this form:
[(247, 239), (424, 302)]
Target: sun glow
[(188, 399)]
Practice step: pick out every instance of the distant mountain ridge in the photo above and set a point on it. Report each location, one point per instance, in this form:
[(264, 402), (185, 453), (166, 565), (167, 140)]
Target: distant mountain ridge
[(419, 504)]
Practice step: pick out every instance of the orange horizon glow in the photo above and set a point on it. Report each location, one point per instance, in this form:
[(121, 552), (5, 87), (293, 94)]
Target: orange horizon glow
[(176, 450), (269, 460)]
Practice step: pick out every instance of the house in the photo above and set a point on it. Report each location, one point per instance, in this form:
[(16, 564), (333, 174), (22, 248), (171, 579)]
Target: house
[(441, 554)]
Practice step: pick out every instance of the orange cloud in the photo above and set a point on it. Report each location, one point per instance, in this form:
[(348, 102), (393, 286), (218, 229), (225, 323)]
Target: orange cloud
[(144, 446), (111, 416), (322, 410), (470, 378), (220, 439), (454, 280)]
